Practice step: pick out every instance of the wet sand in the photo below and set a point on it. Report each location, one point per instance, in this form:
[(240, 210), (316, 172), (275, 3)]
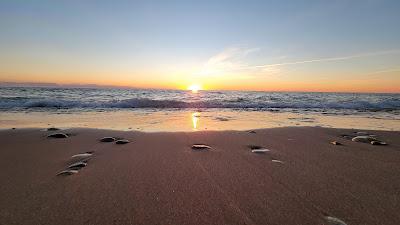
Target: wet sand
[(158, 179), (151, 120)]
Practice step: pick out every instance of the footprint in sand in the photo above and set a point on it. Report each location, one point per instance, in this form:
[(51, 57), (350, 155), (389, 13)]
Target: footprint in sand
[(364, 139), (368, 139), (200, 147), (277, 161), (334, 221), (122, 142), (57, 135), (336, 143), (346, 136), (82, 155), (261, 150), (378, 143), (258, 149), (73, 168), (77, 165), (52, 129), (67, 172), (108, 139)]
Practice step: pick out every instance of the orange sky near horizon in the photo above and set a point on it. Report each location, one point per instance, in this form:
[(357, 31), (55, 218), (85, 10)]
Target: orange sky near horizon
[(229, 69), (374, 84)]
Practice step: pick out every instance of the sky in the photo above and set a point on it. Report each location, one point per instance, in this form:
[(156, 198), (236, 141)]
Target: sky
[(332, 46)]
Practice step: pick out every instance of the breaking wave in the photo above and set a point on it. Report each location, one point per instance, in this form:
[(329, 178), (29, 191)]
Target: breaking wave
[(14, 103)]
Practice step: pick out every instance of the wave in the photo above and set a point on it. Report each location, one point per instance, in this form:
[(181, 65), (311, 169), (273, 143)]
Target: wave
[(388, 104)]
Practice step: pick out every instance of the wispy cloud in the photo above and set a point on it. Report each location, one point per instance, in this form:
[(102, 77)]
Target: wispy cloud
[(230, 59), (230, 54), (271, 70)]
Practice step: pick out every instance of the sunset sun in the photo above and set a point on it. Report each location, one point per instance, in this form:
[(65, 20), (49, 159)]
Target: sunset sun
[(194, 88)]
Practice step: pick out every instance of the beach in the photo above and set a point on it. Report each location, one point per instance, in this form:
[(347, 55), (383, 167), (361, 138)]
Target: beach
[(199, 112), (158, 178)]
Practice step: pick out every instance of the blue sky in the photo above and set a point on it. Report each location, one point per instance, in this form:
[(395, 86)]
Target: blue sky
[(173, 40)]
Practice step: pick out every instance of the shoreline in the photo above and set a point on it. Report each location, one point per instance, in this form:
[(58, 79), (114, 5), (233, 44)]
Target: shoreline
[(158, 179), (159, 121), (93, 129)]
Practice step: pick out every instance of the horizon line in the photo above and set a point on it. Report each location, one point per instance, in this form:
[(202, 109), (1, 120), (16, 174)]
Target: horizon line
[(100, 86)]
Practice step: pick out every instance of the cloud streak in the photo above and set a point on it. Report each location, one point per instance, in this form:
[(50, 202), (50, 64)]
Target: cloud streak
[(233, 60), (341, 58), (384, 71)]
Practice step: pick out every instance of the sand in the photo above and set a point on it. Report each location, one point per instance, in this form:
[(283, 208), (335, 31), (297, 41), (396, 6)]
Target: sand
[(158, 179)]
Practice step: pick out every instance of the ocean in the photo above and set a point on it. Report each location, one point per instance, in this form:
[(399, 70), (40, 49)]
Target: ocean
[(35, 107)]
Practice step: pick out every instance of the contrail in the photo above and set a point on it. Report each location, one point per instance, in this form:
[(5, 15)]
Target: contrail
[(327, 59), (384, 71)]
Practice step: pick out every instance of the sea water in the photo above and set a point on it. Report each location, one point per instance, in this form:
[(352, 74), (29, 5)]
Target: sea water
[(177, 110)]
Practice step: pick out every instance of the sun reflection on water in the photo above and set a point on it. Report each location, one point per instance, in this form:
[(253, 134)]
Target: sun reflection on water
[(195, 120)]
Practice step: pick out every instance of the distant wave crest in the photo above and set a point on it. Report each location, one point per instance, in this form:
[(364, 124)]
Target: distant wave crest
[(388, 104)]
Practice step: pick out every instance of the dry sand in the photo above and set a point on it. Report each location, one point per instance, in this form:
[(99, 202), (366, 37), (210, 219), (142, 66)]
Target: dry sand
[(159, 179)]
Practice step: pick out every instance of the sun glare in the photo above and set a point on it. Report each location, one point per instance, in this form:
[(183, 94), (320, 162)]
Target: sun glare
[(194, 88), (195, 120)]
